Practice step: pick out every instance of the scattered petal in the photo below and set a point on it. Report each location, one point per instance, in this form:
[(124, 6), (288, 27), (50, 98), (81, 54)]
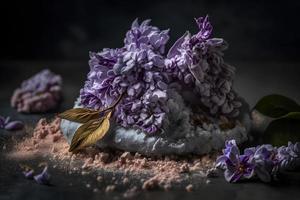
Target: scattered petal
[(43, 178)]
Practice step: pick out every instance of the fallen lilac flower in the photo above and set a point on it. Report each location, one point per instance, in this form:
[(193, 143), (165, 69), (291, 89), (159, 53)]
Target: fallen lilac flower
[(28, 172), (43, 178), (236, 166), (6, 124), (264, 161)]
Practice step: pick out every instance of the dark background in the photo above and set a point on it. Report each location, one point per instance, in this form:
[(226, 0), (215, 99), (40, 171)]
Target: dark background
[(264, 40), (68, 30)]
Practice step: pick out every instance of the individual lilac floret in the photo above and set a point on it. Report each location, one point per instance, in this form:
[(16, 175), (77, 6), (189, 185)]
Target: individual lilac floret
[(289, 156), (40, 93), (236, 166), (264, 161), (7, 124), (43, 178), (134, 72), (197, 61)]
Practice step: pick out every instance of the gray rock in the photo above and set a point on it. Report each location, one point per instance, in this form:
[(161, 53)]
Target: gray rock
[(177, 138)]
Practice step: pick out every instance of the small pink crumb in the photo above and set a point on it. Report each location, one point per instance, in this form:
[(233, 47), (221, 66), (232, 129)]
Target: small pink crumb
[(110, 188), (189, 188), (184, 168), (151, 183), (99, 178), (125, 180)]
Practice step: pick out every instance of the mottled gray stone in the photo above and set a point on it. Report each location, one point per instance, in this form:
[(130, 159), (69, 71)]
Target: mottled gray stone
[(182, 138)]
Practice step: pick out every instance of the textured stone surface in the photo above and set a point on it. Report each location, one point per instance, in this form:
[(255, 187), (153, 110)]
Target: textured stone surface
[(180, 136)]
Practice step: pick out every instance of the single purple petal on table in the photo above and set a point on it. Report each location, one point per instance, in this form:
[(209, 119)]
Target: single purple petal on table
[(43, 178), (28, 174), (14, 125)]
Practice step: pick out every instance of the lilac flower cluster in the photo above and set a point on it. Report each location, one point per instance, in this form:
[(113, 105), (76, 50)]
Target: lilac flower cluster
[(197, 61), (263, 161), (140, 72), (134, 71), (7, 124), (40, 93)]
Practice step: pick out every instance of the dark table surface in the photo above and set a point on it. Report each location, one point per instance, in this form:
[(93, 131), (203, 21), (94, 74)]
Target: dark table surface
[(253, 80)]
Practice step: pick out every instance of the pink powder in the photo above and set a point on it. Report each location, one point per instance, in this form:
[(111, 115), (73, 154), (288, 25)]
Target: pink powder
[(162, 172)]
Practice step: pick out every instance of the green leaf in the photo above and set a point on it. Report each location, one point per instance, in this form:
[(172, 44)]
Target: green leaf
[(276, 106), (283, 129)]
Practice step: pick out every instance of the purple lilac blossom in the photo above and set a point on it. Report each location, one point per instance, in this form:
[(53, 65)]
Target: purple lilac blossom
[(134, 71), (40, 93), (197, 61), (140, 72), (263, 161)]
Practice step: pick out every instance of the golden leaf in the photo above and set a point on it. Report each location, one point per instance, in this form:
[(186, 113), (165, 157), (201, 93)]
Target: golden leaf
[(90, 132), (80, 115)]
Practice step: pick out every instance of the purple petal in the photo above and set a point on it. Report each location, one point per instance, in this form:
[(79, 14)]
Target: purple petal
[(174, 49), (232, 176), (14, 125), (221, 161), (43, 178), (28, 174)]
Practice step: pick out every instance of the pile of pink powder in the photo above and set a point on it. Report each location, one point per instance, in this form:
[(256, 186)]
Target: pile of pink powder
[(154, 172)]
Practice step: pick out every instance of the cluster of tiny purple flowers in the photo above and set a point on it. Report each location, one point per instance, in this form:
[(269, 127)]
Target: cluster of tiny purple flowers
[(197, 61), (140, 72), (264, 161), (135, 70)]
